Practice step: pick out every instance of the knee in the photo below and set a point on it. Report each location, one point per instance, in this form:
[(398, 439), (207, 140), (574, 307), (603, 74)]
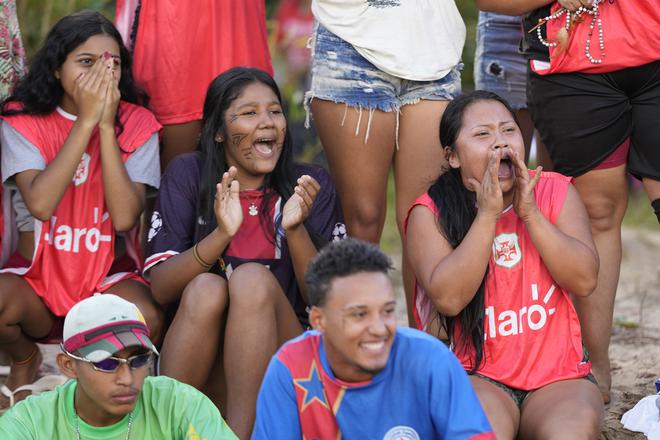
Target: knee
[(365, 220), (586, 423), (205, 295), (605, 212), (252, 287)]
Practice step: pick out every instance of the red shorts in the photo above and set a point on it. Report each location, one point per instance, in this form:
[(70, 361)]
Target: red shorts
[(617, 158)]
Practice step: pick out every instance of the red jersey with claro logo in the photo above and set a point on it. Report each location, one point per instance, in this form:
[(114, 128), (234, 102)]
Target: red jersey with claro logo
[(531, 330), (75, 248)]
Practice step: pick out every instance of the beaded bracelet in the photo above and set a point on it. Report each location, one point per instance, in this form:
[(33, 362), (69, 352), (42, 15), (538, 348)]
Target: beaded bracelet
[(201, 262)]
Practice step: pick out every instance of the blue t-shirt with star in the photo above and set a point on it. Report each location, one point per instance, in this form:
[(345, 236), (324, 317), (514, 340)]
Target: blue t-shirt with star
[(423, 393)]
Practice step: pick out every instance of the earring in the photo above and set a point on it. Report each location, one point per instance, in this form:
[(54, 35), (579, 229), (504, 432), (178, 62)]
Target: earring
[(219, 138)]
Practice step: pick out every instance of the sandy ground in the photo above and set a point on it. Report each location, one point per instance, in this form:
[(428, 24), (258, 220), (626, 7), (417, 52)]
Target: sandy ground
[(635, 346)]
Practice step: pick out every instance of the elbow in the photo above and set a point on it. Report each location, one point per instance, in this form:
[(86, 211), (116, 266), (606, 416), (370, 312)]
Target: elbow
[(586, 285), (125, 223), (40, 211), (448, 306), (588, 282)]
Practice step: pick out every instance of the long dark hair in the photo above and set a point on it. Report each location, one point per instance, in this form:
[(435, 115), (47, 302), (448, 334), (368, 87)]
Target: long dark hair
[(456, 212), (222, 91), (40, 92)]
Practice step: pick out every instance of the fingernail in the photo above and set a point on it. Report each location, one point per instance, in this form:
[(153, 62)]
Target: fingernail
[(107, 55)]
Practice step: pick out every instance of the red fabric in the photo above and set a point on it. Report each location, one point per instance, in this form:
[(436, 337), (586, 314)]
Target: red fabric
[(532, 333), (75, 249), (618, 157), (317, 419), (630, 33), (251, 241), (16, 260), (180, 48)]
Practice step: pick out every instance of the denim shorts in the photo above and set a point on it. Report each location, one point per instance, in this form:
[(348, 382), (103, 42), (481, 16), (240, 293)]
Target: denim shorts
[(498, 65), (340, 74)]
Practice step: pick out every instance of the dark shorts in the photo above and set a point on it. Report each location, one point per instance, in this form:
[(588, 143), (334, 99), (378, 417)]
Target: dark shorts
[(519, 395), (584, 118)]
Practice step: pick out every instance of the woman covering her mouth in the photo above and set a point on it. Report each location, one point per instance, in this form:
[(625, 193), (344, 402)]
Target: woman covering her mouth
[(235, 226), (497, 251)]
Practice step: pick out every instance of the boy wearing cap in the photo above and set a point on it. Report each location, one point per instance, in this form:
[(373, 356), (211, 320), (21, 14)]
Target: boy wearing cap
[(358, 376), (107, 352)]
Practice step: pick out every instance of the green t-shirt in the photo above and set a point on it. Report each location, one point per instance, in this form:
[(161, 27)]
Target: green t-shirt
[(166, 409)]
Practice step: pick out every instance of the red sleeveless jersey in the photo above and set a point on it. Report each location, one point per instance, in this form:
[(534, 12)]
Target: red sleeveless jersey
[(532, 333), (75, 248)]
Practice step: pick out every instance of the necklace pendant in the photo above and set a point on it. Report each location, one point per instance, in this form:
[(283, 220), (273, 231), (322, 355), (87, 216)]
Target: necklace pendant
[(252, 209)]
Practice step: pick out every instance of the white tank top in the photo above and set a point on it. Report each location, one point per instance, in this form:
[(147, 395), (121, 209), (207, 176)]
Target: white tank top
[(420, 40)]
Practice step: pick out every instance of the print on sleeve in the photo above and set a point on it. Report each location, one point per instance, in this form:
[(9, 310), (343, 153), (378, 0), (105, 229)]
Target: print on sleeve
[(156, 225)]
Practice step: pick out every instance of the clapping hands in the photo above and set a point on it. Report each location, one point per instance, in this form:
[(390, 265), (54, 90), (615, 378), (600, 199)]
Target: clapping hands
[(227, 204), (299, 205)]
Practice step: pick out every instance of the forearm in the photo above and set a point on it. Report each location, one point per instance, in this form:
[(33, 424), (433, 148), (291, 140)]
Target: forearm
[(571, 263), (302, 250), (169, 278), (456, 279), (511, 7), (122, 196), (43, 193)]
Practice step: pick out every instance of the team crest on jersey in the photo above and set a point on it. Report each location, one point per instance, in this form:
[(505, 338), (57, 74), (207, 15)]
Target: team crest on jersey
[(401, 433), (82, 171), (506, 250)]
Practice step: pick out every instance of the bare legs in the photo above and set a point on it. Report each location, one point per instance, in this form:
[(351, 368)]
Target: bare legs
[(260, 320), (568, 409), (360, 168), (501, 410), (652, 188), (605, 195), (417, 164), (527, 129), (178, 139), (252, 316), (23, 316)]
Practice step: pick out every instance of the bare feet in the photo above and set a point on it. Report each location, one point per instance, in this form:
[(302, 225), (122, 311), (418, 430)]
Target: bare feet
[(21, 374)]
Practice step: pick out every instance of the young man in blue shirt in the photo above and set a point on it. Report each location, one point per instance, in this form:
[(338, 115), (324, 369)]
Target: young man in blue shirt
[(356, 374)]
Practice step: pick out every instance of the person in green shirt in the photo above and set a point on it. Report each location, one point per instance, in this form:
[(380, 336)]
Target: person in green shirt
[(106, 352)]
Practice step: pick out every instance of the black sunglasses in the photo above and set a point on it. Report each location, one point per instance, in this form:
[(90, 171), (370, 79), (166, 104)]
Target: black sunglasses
[(112, 364)]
